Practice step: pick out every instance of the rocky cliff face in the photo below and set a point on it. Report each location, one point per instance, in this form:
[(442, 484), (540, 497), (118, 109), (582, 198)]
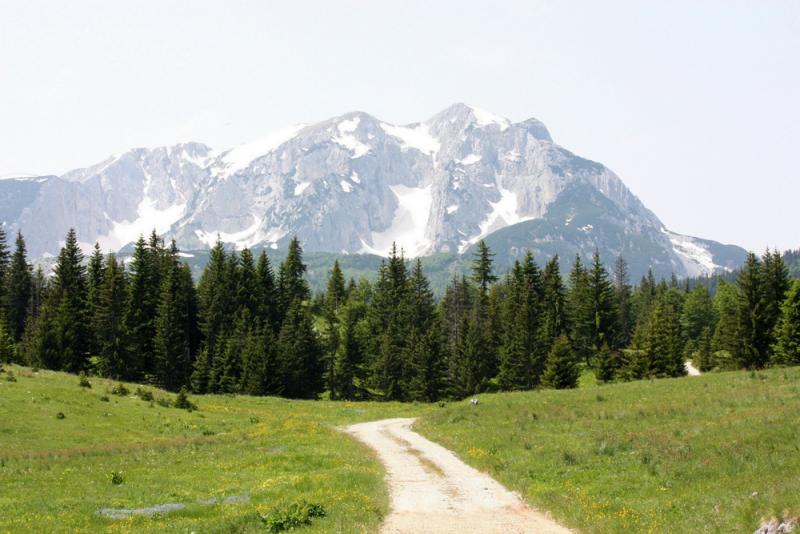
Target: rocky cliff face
[(356, 184)]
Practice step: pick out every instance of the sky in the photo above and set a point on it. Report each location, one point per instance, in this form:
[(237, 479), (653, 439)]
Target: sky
[(694, 104)]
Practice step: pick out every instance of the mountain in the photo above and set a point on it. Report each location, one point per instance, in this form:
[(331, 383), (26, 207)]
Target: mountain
[(355, 184)]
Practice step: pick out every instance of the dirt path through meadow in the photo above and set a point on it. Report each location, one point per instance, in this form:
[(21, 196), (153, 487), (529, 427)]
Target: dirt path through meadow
[(433, 492)]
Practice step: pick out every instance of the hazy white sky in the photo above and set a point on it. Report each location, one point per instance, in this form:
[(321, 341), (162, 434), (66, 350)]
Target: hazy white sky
[(696, 105)]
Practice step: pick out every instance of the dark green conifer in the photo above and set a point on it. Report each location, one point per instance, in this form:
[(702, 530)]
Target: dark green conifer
[(562, 370)]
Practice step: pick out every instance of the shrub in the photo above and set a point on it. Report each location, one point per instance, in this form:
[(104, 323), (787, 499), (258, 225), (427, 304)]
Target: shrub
[(165, 402), (120, 390), (10, 376), (144, 394), (295, 515), (116, 478), (83, 380), (104, 398), (60, 415), (182, 401)]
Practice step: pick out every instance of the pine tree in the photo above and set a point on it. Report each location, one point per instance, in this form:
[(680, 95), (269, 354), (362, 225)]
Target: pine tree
[(423, 356), (40, 340), (260, 372), (299, 356), (267, 309), (663, 344), (389, 318), (292, 284), (246, 279), (334, 299), (787, 332), (94, 280), (562, 370), (581, 311), (753, 319), (5, 258), (624, 305), (231, 361), (482, 267), (604, 327), (727, 338), (774, 286), (555, 321), (18, 288), (69, 305), (176, 326), (144, 292), (698, 313), (109, 322), (608, 364), (216, 301), (348, 369)]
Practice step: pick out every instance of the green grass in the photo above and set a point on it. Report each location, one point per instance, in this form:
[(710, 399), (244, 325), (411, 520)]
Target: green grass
[(715, 453), (55, 474)]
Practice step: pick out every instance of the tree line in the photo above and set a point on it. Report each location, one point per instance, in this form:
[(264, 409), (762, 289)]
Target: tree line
[(247, 327)]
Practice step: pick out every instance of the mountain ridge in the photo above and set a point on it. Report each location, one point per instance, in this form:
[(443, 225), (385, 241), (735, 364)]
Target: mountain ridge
[(356, 184)]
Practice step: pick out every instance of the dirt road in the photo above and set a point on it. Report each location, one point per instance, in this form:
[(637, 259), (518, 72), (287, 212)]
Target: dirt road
[(432, 491)]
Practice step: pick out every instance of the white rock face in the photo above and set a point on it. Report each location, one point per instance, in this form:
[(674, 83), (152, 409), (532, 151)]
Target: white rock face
[(352, 183)]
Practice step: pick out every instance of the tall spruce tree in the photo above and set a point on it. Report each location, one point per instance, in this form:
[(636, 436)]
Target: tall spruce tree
[(663, 343), (389, 318), (555, 320), (774, 286), (581, 311), (299, 357), (108, 322), (424, 358), (624, 304), (18, 288), (482, 273), (267, 309), (292, 284), (216, 302), (176, 325), (144, 292), (753, 315), (94, 279), (5, 259), (69, 305), (604, 310)]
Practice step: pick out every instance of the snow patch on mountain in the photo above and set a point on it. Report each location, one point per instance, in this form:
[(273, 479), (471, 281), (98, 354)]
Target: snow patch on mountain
[(487, 118), (299, 188), (505, 212), (348, 140), (346, 186), (242, 156), (409, 225), (696, 258), (414, 137), (469, 160), (149, 217)]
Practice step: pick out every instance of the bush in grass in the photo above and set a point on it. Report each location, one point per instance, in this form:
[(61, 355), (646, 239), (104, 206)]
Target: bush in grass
[(10, 376), (144, 394), (120, 390), (83, 380), (104, 398), (182, 401), (116, 478), (164, 402), (60, 415), (295, 515)]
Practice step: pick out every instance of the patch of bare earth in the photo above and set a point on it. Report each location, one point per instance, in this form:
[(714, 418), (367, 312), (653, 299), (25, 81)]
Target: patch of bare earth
[(432, 491)]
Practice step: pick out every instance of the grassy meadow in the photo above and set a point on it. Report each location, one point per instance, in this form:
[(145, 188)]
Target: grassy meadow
[(715, 453), (255, 455)]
